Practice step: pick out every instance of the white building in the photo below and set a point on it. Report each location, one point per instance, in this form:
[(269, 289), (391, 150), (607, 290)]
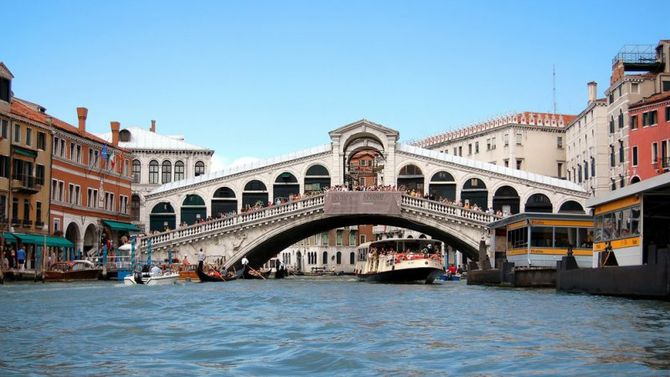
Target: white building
[(514, 141), (159, 159), (587, 158)]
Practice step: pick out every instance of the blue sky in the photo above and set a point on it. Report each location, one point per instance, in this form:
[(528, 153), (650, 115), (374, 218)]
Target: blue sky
[(264, 78)]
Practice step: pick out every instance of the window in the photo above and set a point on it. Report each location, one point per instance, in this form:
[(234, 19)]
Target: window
[(476, 147), (621, 156), (620, 119), (611, 125), (654, 152), (17, 133), (612, 159), (123, 204), (635, 155), (71, 193), (324, 239), (29, 136), (559, 167), (137, 171), (460, 151), (593, 166), (72, 153), (666, 86), (649, 118), (92, 198), (633, 122), (78, 156), (3, 206), (363, 239), (340, 236), (153, 172), (506, 139), (488, 144), (199, 168), (586, 170), (5, 89), (26, 212), (506, 163), (667, 114), (39, 174), (178, 171), (579, 173), (3, 126), (338, 258), (324, 258), (38, 214), (4, 167), (352, 258), (352, 238), (518, 163), (519, 137), (559, 142), (167, 172), (469, 149), (41, 141), (15, 210)]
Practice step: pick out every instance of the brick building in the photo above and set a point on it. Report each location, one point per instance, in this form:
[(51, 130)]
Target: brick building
[(649, 137)]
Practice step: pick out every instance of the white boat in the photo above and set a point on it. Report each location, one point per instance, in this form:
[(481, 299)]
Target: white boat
[(146, 278), (400, 260)]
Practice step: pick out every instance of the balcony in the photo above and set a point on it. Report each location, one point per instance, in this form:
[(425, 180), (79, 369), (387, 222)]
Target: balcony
[(27, 223), (662, 164), (26, 184)]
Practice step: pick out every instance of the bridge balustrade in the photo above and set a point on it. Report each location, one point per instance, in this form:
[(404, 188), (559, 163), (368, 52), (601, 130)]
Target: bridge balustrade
[(311, 202)]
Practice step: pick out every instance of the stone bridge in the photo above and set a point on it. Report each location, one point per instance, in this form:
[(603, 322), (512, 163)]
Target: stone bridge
[(261, 234)]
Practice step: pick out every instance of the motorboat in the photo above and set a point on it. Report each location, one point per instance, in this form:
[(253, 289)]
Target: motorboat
[(400, 260), (72, 271), (148, 278)]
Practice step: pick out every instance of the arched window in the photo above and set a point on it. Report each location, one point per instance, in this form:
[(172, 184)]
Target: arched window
[(325, 258), (135, 207), (153, 171), (352, 258), (178, 171), (137, 171), (338, 257), (199, 168), (167, 172)]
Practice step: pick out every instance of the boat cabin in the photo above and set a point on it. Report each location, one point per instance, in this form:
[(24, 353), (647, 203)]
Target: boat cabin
[(630, 220), (541, 239)]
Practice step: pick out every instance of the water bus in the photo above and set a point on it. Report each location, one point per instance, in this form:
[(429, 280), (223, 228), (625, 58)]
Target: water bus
[(400, 260), (631, 253)]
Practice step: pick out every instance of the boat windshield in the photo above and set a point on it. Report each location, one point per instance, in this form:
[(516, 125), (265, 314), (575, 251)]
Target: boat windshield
[(407, 246)]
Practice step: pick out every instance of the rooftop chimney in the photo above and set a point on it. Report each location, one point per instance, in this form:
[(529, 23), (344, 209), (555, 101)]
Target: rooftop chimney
[(82, 112), (153, 125), (115, 133), (593, 91)]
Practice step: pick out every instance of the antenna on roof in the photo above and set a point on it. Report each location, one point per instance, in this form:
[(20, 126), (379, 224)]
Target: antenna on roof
[(554, 86)]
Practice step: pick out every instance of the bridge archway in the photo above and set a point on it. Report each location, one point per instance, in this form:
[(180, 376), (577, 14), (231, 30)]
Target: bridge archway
[(442, 186), (571, 206), (474, 192), (285, 186), (193, 209), (224, 201), (539, 203), (162, 217), (261, 249), (506, 199), (316, 179), (411, 177), (254, 191)]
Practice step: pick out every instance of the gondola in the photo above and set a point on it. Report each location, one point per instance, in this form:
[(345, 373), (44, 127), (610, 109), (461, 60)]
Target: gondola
[(204, 277), (250, 273)]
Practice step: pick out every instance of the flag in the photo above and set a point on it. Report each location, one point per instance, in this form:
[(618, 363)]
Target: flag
[(105, 152), (112, 160)]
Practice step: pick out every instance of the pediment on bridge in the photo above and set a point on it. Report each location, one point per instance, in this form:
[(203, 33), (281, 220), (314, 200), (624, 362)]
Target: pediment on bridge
[(363, 126)]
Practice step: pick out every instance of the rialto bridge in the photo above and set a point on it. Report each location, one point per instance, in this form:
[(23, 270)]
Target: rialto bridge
[(207, 211)]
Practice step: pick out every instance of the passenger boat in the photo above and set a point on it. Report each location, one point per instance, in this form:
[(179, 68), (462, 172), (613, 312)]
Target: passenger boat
[(146, 278), (188, 272), (212, 277), (72, 270), (400, 260)]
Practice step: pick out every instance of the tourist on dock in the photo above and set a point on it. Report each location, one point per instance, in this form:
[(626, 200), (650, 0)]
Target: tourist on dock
[(21, 256)]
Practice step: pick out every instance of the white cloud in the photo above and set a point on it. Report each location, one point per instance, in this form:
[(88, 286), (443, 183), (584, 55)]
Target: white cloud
[(219, 163)]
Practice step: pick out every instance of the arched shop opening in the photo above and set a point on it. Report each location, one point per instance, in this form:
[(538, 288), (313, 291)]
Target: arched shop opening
[(162, 217), (411, 178), (507, 200), (317, 178), (474, 192), (254, 193), (223, 202), (193, 209), (442, 186), (571, 206), (285, 186), (539, 203)]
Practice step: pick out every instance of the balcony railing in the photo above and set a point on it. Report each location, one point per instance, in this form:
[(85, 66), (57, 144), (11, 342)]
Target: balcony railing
[(26, 183)]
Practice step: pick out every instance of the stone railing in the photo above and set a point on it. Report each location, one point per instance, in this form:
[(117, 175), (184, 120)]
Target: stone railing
[(288, 209), (448, 209), (221, 224)]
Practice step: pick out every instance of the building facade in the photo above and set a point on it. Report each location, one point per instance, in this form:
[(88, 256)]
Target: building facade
[(90, 184), (586, 145), (512, 141), (649, 137), (25, 161), (157, 160)]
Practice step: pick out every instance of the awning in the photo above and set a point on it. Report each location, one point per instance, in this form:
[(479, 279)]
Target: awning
[(25, 152), (121, 226), (59, 242), (8, 237), (39, 240)]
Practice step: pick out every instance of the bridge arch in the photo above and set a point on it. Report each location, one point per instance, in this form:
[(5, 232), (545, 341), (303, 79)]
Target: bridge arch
[(474, 191), (193, 208), (260, 249), (316, 178), (162, 217), (411, 177), (224, 201), (442, 186), (570, 206), (506, 199), (254, 191), (538, 202), (285, 186)]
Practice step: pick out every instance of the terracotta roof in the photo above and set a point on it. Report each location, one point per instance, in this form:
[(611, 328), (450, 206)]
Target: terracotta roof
[(29, 110), (658, 97)]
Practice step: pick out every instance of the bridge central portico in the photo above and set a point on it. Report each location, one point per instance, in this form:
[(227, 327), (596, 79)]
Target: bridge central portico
[(258, 209)]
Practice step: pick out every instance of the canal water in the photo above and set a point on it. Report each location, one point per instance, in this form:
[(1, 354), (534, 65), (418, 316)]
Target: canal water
[(325, 326)]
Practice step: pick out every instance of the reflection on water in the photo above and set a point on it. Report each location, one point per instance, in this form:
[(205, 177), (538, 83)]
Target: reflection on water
[(329, 326)]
